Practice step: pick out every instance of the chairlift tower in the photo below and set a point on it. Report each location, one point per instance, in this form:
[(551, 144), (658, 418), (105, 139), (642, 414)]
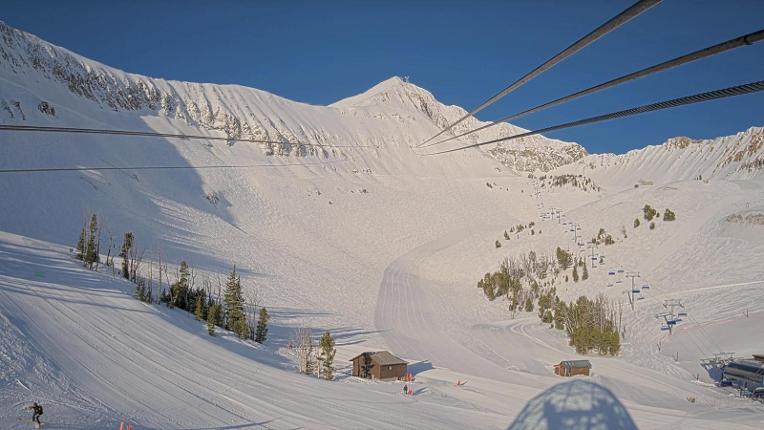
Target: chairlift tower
[(668, 318), (673, 304), (632, 275), (593, 246)]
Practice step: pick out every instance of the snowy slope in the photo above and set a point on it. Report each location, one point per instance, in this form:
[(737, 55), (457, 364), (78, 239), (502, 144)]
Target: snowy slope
[(679, 158), (343, 226)]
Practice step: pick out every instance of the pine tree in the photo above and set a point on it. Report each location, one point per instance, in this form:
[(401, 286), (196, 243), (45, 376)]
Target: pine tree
[(528, 305), (636, 222), (140, 290), (585, 275), (506, 235), (310, 360), (262, 326), (213, 317), (669, 215), (199, 307), (367, 365), (328, 351), (575, 273), (91, 251), (124, 253), (236, 319), (179, 290), (81, 245)]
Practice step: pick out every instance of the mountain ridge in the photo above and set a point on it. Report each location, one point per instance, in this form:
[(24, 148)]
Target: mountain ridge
[(244, 112)]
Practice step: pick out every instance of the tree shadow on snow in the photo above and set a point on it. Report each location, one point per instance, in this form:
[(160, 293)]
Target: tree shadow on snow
[(574, 405)]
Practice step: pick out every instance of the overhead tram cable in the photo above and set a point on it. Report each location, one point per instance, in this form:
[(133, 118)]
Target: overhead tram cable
[(622, 18), (157, 167), (48, 129), (748, 39), (666, 104)]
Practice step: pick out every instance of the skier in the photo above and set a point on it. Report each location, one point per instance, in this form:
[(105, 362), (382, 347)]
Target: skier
[(405, 389), (36, 412)]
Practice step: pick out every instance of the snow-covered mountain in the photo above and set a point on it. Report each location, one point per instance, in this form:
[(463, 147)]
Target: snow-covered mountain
[(34, 66), (680, 158), (344, 226)]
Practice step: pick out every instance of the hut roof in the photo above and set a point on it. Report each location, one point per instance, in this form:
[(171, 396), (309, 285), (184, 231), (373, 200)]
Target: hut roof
[(576, 364), (383, 358)]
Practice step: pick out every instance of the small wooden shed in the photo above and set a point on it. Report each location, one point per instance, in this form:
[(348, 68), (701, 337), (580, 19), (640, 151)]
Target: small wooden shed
[(379, 365), (573, 367)]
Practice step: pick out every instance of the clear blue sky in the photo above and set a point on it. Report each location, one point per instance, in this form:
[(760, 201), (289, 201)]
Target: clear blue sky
[(462, 51)]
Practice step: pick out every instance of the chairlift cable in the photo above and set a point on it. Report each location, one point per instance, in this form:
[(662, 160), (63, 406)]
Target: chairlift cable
[(156, 167), (666, 104), (622, 18), (48, 129), (745, 40)]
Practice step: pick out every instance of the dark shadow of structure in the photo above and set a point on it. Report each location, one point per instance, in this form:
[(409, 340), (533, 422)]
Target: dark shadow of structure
[(574, 405)]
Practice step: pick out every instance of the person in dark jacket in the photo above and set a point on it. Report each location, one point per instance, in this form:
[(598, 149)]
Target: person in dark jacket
[(36, 412), (405, 389)]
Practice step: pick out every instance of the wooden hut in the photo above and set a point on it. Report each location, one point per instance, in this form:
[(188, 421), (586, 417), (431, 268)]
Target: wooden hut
[(378, 365), (573, 367)]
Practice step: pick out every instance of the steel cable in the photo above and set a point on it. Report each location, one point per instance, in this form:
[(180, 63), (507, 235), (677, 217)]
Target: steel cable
[(47, 129), (748, 39), (622, 18), (681, 101)]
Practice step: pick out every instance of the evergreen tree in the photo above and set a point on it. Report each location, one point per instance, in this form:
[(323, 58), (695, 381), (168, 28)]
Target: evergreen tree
[(649, 212), (236, 319), (199, 307), (310, 360), (91, 251), (140, 290), (636, 222), (575, 273), (366, 366), (585, 275), (564, 258), (528, 305), (124, 253), (213, 318), (179, 290), (506, 235), (328, 351), (262, 326), (560, 313), (81, 245), (669, 215)]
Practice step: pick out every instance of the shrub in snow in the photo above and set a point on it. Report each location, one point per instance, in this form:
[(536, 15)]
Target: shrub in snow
[(649, 212), (669, 215)]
